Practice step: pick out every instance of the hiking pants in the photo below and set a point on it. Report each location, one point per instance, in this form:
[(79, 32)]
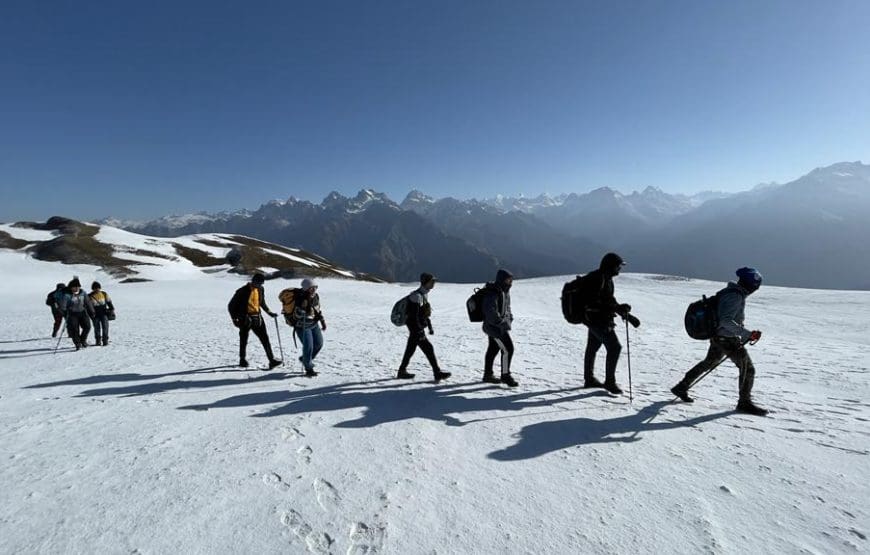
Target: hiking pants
[(58, 320), (101, 328), (258, 326), (418, 339), (598, 336), (78, 326), (733, 349), (499, 344), (312, 341)]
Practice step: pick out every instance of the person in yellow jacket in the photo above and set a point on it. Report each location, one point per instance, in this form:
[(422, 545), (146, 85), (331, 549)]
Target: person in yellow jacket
[(104, 311), (244, 310)]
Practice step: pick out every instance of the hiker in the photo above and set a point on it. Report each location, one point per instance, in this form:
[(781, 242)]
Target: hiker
[(305, 320), (53, 300), (497, 320), (729, 341), (244, 310), (418, 321), (104, 311), (601, 310), (78, 310)]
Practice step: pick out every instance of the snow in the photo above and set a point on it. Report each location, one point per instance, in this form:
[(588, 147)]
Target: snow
[(159, 444), (25, 234), (299, 259)]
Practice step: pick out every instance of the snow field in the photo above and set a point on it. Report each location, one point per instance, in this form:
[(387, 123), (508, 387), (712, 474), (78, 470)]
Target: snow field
[(159, 443)]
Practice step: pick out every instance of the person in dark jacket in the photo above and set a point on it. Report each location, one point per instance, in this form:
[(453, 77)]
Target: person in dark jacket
[(78, 310), (308, 315), (53, 300), (103, 307), (497, 322), (244, 309), (601, 311), (729, 341), (418, 321)]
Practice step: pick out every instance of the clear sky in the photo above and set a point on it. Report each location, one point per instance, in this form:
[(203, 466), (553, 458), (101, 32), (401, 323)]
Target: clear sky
[(139, 109)]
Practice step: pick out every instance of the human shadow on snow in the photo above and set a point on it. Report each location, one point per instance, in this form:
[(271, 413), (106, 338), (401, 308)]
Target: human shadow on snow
[(164, 387), (107, 378), (383, 404), (26, 353), (3, 342), (541, 438)]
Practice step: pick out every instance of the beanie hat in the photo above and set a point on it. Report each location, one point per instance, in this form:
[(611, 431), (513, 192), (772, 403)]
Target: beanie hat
[(258, 279), (308, 284), (75, 283), (610, 262), (749, 278), (96, 285)]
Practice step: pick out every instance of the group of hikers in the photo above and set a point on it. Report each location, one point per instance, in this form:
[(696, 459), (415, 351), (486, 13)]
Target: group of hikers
[(70, 304), (588, 300)]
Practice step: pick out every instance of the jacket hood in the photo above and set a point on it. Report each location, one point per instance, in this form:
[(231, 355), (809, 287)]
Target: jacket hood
[(502, 276)]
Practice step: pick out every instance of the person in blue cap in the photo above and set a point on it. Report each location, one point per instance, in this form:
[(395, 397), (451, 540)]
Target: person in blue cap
[(730, 340)]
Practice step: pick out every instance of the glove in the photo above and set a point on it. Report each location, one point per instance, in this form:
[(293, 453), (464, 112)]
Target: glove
[(633, 320), (754, 336), (237, 322), (323, 325), (623, 309), (431, 331)]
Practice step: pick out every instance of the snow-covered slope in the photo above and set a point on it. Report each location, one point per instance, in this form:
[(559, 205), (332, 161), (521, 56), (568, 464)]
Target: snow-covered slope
[(158, 444), (137, 257)]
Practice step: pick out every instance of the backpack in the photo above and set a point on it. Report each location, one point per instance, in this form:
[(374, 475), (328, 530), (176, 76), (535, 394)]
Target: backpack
[(399, 316), (474, 304), (574, 301), (702, 318), (288, 304)]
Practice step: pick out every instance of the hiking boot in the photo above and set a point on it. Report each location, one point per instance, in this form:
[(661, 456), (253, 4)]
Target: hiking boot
[(612, 388), (748, 407), (275, 362), (243, 363), (105, 342), (491, 378), (78, 346), (84, 344), (439, 375), (682, 393), (592, 382), (54, 334), (405, 375), (509, 380), (310, 373)]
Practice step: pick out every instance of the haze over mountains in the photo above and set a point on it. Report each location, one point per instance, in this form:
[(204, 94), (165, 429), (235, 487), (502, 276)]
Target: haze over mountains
[(811, 232)]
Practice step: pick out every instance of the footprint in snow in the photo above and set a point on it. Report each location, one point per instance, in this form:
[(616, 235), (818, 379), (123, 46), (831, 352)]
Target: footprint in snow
[(315, 542), (365, 539), (274, 480), (304, 454), (327, 495), (290, 434)]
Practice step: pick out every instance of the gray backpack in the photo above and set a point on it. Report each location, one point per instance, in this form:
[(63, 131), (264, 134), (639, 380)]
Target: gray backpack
[(399, 316)]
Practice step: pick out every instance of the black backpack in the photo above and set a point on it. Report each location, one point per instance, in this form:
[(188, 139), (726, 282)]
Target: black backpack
[(576, 298), (702, 318), (474, 304)]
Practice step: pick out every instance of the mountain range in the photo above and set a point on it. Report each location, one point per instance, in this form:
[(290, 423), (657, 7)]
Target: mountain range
[(811, 232)]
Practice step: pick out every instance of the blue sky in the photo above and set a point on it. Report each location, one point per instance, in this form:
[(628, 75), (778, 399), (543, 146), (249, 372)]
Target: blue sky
[(139, 109)]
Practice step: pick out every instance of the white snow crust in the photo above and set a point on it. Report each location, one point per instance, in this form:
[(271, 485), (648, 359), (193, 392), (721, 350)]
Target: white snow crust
[(158, 443)]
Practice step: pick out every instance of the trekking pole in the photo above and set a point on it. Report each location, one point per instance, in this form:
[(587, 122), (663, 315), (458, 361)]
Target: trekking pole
[(59, 337), (628, 353), (721, 360), (278, 333)]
